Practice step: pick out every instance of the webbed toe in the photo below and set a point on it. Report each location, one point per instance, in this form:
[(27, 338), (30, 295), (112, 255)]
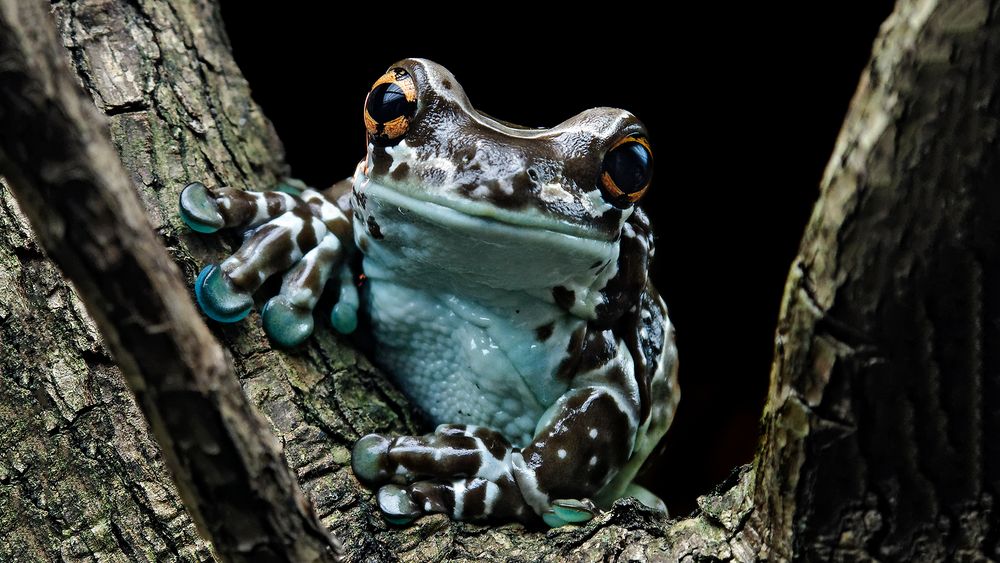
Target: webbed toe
[(344, 318), (199, 210), (286, 324), (369, 459), (396, 505), (218, 299), (572, 511)]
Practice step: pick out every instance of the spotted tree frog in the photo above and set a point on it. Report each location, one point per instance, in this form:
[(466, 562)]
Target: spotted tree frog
[(506, 285)]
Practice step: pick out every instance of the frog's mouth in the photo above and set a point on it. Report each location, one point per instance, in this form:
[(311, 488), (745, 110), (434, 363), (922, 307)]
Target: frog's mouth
[(478, 220)]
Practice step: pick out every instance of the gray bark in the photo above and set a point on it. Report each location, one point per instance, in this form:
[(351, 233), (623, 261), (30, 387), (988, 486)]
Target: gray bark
[(881, 424), (882, 390), (68, 178)]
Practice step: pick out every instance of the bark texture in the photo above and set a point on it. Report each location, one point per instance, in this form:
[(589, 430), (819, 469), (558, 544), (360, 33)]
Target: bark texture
[(58, 160), (884, 388), (884, 406)]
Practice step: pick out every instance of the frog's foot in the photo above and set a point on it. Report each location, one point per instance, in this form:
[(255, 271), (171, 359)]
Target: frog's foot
[(301, 233), (462, 471), (569, 511)]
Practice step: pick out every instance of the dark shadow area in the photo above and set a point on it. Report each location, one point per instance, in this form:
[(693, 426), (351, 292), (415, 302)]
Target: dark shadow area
[(743, 107)]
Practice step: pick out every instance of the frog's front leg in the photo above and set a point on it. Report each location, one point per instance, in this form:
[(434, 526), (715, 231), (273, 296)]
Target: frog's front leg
[(302, 233), (473, 473)]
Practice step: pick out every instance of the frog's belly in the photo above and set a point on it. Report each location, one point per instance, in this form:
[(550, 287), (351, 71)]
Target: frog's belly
[(464, 364)]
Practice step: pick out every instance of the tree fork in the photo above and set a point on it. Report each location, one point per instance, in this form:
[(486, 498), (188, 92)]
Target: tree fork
[(882, 397)]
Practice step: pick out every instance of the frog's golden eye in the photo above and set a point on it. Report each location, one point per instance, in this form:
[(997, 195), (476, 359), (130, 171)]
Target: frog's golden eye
[(627, 170), (390, 106)]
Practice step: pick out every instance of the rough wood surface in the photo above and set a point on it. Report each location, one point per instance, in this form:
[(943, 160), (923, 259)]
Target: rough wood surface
[(883, 391), (883, 417), (69, 181)]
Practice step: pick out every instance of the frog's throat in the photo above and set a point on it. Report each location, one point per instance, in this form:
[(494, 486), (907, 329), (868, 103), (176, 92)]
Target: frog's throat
[(471, 216)]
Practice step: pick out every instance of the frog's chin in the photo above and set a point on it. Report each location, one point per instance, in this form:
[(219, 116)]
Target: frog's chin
[(527, 216), (432, 236)]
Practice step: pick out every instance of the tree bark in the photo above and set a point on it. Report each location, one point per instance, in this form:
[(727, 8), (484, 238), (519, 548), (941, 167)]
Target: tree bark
[(883, 388), (69, 180), (881, 423)]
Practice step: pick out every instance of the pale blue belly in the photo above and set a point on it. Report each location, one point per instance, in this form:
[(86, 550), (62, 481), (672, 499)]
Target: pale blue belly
[(465, 363)]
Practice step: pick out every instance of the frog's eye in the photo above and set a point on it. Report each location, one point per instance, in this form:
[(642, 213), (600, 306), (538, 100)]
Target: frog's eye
[(627, 170), (390, 106)]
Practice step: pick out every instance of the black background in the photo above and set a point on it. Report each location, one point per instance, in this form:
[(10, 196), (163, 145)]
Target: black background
[(743, 106)]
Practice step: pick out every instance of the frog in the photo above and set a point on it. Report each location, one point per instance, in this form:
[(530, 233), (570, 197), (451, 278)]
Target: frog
[(506, 288)]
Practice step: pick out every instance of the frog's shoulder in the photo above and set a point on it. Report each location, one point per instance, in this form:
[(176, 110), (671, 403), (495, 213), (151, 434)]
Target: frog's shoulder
[(632, 313), (624, 289)]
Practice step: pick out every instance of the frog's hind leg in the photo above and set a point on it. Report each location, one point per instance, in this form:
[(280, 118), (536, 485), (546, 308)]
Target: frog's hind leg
[(459, 470), (301, 233), (582, 442), (474, 499)]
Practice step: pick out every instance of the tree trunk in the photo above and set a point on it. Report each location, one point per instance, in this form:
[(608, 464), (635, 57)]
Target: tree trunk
[(883, 389), (884, 407)]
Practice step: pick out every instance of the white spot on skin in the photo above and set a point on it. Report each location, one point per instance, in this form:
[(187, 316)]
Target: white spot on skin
[(459, 488), (561, 454), (593, 460), (555, 192), (595, 204), (427, 506), (593, 433), (492, 494)]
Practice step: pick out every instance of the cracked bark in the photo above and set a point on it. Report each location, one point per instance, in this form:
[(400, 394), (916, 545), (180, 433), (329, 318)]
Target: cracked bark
[(883, 389), (55, 152)]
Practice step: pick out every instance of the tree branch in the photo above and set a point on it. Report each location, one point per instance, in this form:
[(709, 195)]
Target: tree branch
[(69, 181)]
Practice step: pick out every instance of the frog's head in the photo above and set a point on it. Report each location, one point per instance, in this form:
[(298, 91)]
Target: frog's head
[(531, 195)]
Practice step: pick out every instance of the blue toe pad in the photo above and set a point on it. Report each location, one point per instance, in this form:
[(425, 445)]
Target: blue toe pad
[(285, 323), (198, 209), (396, 505), (368, 459), (344, 318), (569, 511), (218, 299)]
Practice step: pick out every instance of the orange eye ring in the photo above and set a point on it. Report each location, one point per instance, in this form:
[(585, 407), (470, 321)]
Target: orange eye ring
[(389, 107), (627, 170)]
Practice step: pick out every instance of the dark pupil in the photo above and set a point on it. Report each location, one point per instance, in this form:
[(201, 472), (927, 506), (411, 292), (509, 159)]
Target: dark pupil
[(387, 102), (630, 166)]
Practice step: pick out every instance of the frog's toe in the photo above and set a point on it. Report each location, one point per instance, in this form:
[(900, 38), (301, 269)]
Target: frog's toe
[(199, 209), (288, 317), (397, 506), (344, 316), (370, 459), (285, 323), (569, 511), (218, 298)]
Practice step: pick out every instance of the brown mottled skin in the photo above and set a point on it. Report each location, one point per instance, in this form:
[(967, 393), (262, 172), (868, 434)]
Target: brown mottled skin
[(507, 291)]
